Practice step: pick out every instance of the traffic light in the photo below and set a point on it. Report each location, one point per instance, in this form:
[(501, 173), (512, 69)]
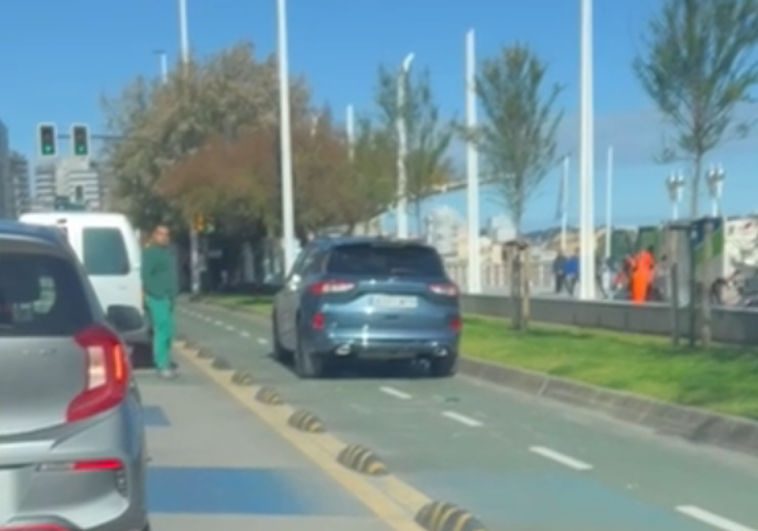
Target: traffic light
[(80, 140), (46, 137)]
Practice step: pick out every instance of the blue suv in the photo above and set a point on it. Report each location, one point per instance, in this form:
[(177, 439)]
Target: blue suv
[(368, 299)]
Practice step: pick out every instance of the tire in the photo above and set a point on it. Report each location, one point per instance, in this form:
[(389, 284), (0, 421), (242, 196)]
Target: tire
[(281, 354), (443, 367), (309, 366)]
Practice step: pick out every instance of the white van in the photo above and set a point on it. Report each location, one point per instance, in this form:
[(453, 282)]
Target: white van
[(107, 246)]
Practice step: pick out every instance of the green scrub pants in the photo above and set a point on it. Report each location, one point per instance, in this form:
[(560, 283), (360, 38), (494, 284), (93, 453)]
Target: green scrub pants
[(162, 317)]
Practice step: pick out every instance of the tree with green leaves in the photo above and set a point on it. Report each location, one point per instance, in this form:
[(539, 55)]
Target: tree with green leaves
[(517, 137), (698, 66), (428, 136)]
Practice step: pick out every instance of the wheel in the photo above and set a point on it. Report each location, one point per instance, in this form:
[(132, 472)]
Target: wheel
[(281, 354), (309, 365), (443, 367)]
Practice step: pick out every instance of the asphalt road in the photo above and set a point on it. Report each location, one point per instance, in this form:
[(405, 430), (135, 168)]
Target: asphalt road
[(517, 462)]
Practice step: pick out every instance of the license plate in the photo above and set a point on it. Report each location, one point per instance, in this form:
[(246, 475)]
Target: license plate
[(391, 301)]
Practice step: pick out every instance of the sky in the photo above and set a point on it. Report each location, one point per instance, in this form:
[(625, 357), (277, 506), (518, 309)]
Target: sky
[(58, 58)]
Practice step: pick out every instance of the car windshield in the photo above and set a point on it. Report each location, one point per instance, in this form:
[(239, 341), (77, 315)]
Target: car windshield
[(385, 260)]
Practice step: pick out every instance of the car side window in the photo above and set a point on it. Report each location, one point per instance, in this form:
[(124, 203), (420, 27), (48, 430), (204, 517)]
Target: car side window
[(314, 264), (297, 267)]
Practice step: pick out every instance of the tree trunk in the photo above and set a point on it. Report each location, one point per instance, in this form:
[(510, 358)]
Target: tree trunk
[(525, 276), (705, 292)]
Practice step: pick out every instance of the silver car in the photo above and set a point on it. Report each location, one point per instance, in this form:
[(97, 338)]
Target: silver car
[(367, 299), (72, 441)]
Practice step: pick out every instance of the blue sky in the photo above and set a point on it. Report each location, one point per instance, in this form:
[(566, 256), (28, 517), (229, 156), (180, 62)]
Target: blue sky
[(56, 58)]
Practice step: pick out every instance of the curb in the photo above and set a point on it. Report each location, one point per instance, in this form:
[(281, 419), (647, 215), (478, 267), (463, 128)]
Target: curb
[(443, 516), (689, 423), (204, 354), (270, 396), (221, 364), (306, 421), (363, 460), (242, 378)]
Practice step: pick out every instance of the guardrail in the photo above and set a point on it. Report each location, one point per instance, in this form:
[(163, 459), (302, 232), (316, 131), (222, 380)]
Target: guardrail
[(735, 326)]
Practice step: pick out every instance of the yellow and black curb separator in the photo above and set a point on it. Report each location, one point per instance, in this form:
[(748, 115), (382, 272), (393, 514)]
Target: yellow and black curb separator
[(443, 516), (268, 395), (242, 378), (204, 354), (221, 364), (363, 460), (306, 421)]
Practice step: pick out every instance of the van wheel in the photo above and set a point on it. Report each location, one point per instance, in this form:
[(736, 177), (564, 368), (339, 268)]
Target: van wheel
[(443, 367)]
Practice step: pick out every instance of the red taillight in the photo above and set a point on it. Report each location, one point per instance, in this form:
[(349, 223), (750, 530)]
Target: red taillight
[(331, 286), (448, 290), (319, 321), (456, 324), (98, 465), (106, 378)]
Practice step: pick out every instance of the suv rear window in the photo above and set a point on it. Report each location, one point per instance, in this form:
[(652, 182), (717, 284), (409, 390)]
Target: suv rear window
[(104, 252), (41, 295), (385, 260)]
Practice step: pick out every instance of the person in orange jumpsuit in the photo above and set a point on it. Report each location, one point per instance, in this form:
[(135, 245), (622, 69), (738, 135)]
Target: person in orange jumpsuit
[(642, 275)]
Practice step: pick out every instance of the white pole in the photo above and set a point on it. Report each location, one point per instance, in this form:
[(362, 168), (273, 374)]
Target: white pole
[(350, 129), (472, 171), (163, 58), (586, 159), (609, 203), (184, 47), (285, 139), (565, 200), (402, 151)]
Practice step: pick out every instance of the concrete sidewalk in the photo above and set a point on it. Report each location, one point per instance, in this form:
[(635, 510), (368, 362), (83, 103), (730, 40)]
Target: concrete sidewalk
[(216, 466)]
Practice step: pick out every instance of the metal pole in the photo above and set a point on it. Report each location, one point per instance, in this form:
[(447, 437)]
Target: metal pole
[(402, 151), (609, 203), (586, 159), (472, 171), (185, 55), (565, 201), (288, 207), (163, 65), (350, 128)]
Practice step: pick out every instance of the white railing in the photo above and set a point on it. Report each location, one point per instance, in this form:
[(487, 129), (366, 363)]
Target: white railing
[(496, 278)]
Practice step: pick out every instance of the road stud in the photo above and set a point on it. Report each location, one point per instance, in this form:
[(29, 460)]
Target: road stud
[(221, 364), (362, 460), (204, 354), (443, 516), (306, 421), (269, 395), (242, 378)]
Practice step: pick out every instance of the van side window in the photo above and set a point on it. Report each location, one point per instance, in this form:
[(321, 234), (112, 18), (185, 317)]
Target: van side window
[(104, 252)]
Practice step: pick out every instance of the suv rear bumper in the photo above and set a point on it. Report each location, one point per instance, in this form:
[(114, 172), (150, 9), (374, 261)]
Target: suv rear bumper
[(354, 344)]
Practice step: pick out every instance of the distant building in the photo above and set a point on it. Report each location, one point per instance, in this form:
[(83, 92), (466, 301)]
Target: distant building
[(44, 187), (67, 177), (500, 228), (19, 174), (444, 228), (7, 193)]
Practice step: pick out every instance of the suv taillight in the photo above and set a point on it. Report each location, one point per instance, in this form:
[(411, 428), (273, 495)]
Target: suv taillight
[(448, 289), (331, 286), (106, 378)]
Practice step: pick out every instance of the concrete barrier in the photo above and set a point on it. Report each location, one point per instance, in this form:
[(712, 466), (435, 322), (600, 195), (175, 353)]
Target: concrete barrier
[(735, 326)]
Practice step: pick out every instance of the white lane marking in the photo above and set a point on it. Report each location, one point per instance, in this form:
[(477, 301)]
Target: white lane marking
[(230, 328), (397, 393), (560, 458), (244, 334), (463, 419), (218, 323), (711, 519), (262, 341)]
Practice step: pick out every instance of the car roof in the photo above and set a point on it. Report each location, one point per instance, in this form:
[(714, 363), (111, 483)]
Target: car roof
[(17, 229), (336, 241), (93, 216)]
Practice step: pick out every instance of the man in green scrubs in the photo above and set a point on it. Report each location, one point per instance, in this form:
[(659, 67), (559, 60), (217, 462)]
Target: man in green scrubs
[(160, 284)]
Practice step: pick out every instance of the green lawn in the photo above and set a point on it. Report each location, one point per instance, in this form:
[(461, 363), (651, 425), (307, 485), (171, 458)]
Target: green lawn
[(722, 378)]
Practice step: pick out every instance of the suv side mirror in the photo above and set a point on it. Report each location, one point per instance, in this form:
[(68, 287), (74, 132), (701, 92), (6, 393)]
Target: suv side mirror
[(124, 318)]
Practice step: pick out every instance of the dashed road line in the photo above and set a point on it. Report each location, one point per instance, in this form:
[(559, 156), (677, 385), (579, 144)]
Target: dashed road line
[(560, 458), (218, 323), (712, 519), (263, 341), (397, 393), (244, 333), (463, 419), (230, 328)]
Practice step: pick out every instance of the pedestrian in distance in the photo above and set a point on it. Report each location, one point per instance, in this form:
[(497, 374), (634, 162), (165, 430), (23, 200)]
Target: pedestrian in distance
[(558, 271), (160, 283)]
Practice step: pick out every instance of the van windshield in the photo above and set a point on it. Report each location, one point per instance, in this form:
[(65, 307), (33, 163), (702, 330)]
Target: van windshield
[(104, 252)]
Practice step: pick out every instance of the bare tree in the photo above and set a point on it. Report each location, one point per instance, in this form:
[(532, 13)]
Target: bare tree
[(517, 139), (697, 66)]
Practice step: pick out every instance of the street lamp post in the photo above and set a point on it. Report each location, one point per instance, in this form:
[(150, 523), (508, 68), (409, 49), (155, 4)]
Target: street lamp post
[(715, 178), (402, 150), (472, 171), (675, 185), (163, 58), (586, 159), (350, 130), (285, 139)]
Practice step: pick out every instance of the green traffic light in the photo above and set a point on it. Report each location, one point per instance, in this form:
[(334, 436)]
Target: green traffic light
[(47, 149)]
